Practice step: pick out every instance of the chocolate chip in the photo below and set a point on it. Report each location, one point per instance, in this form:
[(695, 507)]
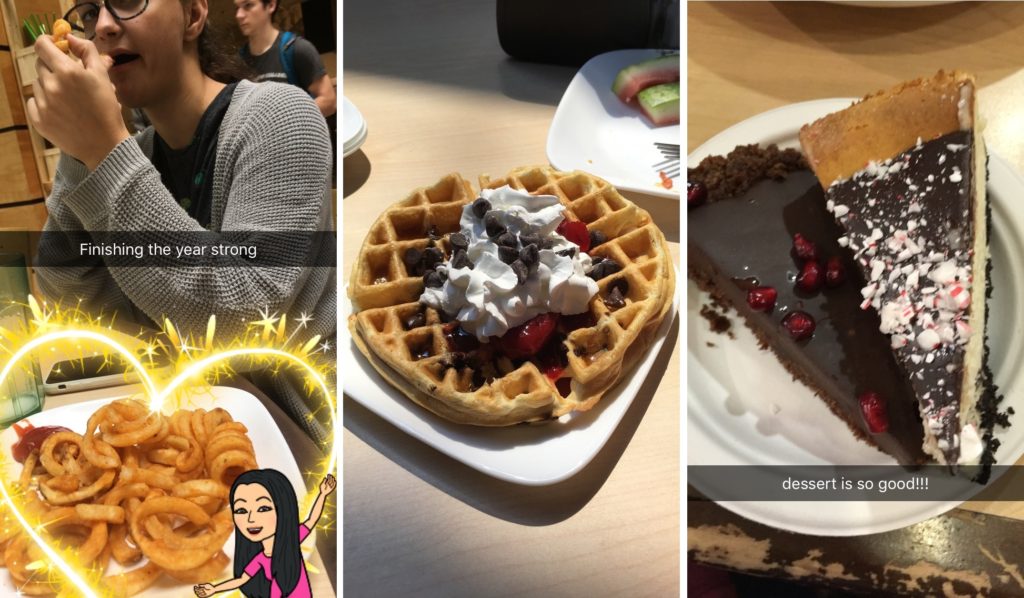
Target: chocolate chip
[(507, 239), (579, 351), (547, 244), (521, 270), (507, 254), (493, 225), (432, 256), (458, 241), (621, 284), (432, 233), (461, 260), (433, 279), (480, 207), (604, 268), (529, 255), (530, 240), (478, 379), (597, 237), (571, 252), (416, 320), (412, 258), (614, 299)]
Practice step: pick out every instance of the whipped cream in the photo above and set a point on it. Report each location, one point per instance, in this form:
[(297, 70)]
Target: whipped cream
[(488, 299)]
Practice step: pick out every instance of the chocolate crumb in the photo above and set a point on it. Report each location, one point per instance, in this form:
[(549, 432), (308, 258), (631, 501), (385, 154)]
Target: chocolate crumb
[(719, 323), (733, 174)]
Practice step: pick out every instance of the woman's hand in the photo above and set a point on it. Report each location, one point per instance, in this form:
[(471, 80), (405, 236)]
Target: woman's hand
[(203, 590), (73, 103), (328, 485)]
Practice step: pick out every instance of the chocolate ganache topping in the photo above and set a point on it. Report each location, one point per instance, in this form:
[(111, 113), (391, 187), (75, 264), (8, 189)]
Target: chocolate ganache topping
[(916, 264)]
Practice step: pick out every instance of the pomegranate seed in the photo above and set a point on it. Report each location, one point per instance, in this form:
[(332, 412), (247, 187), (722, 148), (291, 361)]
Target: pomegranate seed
[(835, 272), (875, 414), (762, 298), (696, 194), (804, 249), (810, 278), (799, 324)]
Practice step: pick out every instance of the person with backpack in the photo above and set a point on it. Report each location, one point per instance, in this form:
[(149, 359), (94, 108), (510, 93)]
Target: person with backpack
[(283, 56), (223, 157)]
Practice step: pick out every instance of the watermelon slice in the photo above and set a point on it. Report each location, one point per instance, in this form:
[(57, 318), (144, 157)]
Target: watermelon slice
[(660, 103), (632, 79)]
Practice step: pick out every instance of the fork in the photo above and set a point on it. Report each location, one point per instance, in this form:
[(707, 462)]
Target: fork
[(670, 165)]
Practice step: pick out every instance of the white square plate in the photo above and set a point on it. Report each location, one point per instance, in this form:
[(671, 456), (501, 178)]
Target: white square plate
[(595, 132), (272, 452), (529, 455)]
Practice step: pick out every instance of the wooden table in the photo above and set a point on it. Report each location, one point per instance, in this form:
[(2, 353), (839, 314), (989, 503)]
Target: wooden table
[(439, 96), (746, 58), (306, 453)]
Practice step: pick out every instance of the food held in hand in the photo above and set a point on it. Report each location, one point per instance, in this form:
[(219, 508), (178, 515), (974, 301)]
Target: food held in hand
[(139, 487), (61, 29), (523, 302)]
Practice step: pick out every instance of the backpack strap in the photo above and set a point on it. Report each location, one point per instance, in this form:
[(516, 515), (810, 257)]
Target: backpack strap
[(287, 50)]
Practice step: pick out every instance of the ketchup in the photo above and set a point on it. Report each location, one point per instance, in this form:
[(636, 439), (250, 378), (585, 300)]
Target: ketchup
[(31, 438)]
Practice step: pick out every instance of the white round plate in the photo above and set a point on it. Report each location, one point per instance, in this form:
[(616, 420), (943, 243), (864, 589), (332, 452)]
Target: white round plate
[(593, 131), (353, 127), (744, 408)]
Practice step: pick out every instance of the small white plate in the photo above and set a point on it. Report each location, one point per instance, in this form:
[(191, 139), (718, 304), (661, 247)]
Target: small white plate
[(736, 417), (353, 127), (528, 455), (272, 452), (595, 132)]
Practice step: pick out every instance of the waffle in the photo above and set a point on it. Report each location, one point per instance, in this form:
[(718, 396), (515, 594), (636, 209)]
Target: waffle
[(485, 387)]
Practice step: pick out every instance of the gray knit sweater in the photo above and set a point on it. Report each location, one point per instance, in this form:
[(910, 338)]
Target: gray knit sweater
[(272, 173)]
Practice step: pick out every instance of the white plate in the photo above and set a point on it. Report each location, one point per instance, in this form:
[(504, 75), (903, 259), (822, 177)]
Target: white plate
[(594, 131), (730, 413), (272, 452), (353, 127), (528, 455)]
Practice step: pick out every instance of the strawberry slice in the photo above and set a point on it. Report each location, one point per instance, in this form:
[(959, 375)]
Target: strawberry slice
[(576, 232), (526, 340)]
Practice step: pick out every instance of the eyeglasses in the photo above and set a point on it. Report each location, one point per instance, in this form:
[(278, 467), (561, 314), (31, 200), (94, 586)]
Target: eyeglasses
[(84, 15)]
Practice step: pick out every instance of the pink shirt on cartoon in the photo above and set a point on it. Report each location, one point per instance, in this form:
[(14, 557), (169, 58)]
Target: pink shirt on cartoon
[(261, 562)]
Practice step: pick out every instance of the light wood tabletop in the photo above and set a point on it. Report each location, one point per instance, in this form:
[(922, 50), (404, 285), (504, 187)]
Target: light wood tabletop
[(745, 58), (439, 95)]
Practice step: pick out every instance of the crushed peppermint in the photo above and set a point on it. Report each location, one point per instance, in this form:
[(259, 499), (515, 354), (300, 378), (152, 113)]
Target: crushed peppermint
[(917, 276)]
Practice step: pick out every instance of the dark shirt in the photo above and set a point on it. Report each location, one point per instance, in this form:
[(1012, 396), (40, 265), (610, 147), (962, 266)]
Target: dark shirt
[(188, 172), (306, 62)]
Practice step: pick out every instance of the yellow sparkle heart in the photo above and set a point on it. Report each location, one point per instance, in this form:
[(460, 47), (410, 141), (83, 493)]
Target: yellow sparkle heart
[(157, 397)]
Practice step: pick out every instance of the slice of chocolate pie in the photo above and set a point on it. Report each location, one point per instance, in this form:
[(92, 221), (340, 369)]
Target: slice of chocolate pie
[(904, 176), (760, 240)]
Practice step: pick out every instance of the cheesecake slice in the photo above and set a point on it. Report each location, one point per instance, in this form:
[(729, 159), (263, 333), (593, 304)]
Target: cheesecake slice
[(903, 173)]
